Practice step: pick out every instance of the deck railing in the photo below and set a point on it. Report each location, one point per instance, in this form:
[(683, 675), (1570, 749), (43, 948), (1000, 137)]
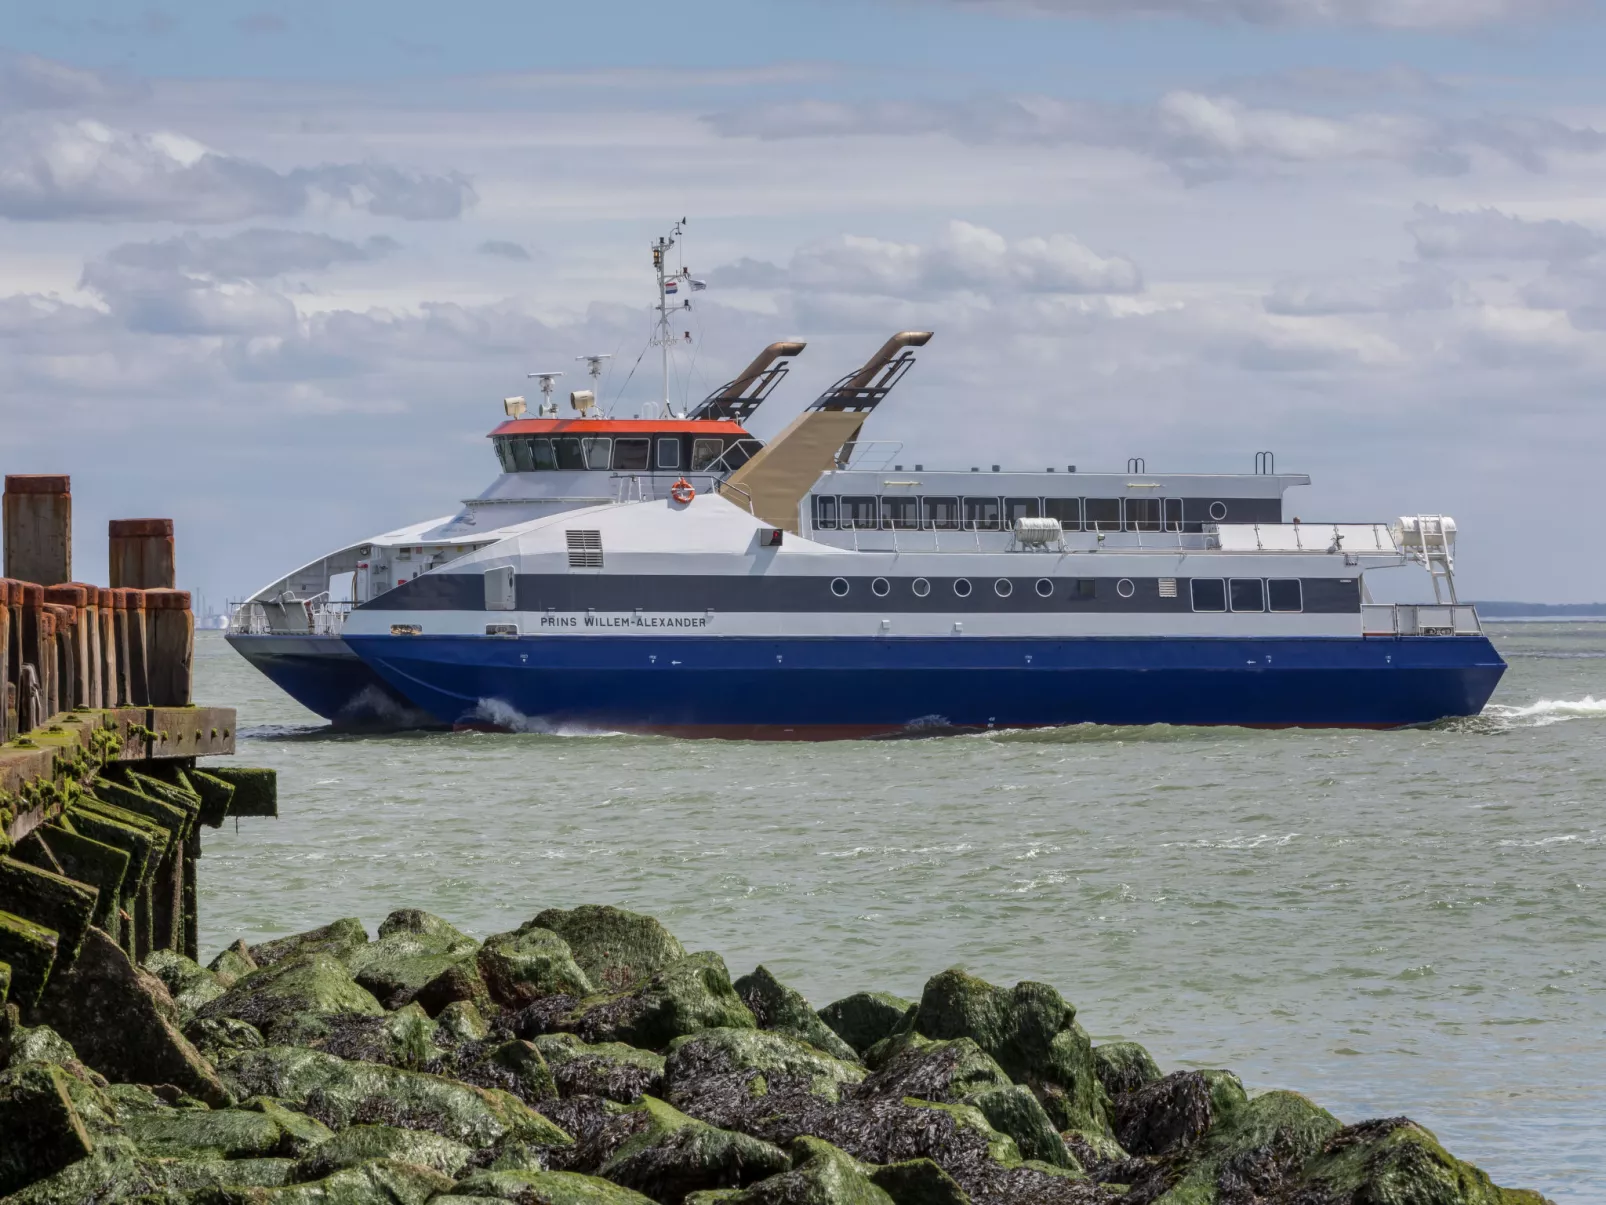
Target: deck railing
[(1420, 619)]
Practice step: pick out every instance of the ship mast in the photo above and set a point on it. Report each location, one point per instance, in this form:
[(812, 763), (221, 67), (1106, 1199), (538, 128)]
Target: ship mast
[(662, 335)]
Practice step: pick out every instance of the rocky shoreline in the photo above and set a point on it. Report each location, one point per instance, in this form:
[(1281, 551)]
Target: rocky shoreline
[(587, 1058)]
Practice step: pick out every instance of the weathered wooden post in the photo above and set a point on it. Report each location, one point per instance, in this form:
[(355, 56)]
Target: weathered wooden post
[(108, 648), (136, 627), (77, 684), (38, 528), (140, 554), (49, 663), (8, 688), (33, 674), (171, 647)]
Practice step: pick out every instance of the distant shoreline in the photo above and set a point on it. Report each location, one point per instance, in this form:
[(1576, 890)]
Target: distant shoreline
[(1552, 611)]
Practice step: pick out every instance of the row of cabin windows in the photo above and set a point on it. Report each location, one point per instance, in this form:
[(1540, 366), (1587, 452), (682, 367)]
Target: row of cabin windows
[(536, 453), (848, 513), (1247, 594)]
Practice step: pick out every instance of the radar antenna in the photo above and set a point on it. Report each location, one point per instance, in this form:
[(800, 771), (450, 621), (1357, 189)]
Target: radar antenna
[(669, 282), (549, 408)]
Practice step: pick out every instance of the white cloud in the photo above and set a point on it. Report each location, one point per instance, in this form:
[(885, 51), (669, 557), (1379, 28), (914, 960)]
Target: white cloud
[(30, 82), (503, 249), (1419, 290), (1391, 14), (1490, 234), (87, 171)]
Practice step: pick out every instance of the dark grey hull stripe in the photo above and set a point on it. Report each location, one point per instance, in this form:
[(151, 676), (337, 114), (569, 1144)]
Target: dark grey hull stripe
[(576, 592)]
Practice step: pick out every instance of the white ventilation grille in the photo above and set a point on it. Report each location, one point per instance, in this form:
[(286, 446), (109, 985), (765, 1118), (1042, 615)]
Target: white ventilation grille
[(585, 549), (1168, 587)]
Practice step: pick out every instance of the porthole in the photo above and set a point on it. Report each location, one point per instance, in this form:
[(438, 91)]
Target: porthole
[(880, 587), (1125, 588), (962, 588), (1003, 587), (1044, 587), (1218, 511), (921, 587), (839, 587)]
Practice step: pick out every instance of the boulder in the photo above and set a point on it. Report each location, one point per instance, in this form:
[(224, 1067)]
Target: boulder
[(339, 939), (220, 1038), (120, 1174), (460, 1021), (1123, 1067), (233, 964), (720, 1071), (293, 999), (1255, 1152), (528, 964), (203, 1134), (820, 1174), (190, 984), (515, 1066), (40, 1130), (413, 947), (865, 1018), (609, 1069), (918, 1182), (458, 983), (782, 1009), (1175, 1111), (298, 1133), (616, 949), (1031, 1031), (29, 952), (688, 995), (123, 1023), (544, 1188), (364, 1143), (1394, 1161), (342, 1094), (378, 1182), (404, 1038)]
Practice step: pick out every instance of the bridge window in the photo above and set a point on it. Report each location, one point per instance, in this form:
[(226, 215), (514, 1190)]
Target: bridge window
[(568, 453), (1173, 514), (669, 452), (631, 454), (1067, 510), (1021, 508), (705, 452), (1103, 514), (1248, 594), (1285, 595), (940, 514), (858, 513), (900, 513), (1143, 514), (598, 452), (1209, 594), (981, 514), (824, 512)]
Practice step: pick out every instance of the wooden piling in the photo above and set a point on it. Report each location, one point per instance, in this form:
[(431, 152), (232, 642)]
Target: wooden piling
[(66, 602), (108, 649), (32, 676), (170, 635), (141, 554), (136, 628), (8, 688), (38, 528)]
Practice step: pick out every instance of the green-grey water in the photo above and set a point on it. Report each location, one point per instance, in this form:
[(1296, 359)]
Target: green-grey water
[(1391, 922)]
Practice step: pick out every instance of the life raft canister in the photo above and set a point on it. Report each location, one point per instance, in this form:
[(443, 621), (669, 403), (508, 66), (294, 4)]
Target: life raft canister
[(682, 491)]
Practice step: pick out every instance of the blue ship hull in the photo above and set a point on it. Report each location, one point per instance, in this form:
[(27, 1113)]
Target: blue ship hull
[(326, 677), (805, 688)]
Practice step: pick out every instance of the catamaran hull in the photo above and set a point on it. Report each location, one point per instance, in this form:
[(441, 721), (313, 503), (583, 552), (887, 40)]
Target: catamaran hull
[(803, 688), (326, 677)]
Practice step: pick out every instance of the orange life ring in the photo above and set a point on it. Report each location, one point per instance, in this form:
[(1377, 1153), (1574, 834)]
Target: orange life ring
[(682, 491)]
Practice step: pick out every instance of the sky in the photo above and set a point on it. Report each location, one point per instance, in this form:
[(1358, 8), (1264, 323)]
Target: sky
[(269, 269)]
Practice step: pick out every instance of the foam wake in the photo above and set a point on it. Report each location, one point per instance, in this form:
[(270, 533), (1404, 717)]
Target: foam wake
[(494, 713), (1549, 711)]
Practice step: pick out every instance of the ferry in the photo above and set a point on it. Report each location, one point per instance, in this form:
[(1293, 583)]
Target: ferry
[(812, 594), (292, 629)]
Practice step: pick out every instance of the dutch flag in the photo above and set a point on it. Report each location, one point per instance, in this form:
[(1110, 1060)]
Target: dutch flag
[(671, 287)]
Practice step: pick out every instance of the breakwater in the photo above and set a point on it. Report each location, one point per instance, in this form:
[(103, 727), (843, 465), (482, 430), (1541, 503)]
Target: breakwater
[(587, 1056)]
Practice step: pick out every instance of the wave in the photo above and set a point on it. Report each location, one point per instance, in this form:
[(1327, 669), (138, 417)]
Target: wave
[(1548, 711), (494, 713)]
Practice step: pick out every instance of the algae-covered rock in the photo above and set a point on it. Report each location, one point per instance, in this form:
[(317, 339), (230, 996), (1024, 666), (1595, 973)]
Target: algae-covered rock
[(461, 1021), (531, 963), (365, 1143), (1255, 1151), (298, 1133), (687, 996), (513, 1066), (458, 983), (203, 1133), (123, 1023), (609, 1069), (379, 1182), (1031, 1031), (413, 947), (221, 1038), (1394, 1161), (40, 1130), (118, 1174), (918, 1182), (1176, 1110), (291, 999), (865, 1018), (404, 1038), (820, 1174), (705, 1073), (659, 1151), (1123, 1067), (784, 1010), (342, 1094), (544, 1188), (232, 965), (616, 949), (338, 939), (188, 983)]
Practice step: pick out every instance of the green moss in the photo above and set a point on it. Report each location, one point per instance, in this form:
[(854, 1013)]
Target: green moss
[(545, 1188), (364, 1143), (233, 964), (203, 1133), (339, 938), (42, 1131), (772, 1055), (1397, 1162), (29, 952), (616, 949), (1123, 1067), (610, 1070), (460, 1021), (187, 982), (782, 1009), (865, 1018), (289, 998), (381, 1182), (528, 964), (918, 1182), (820, 1175), (221, 1038), (688, 995), (1274, 1134), (256, 790), (671, 1154), (413, 947), (298, 1133)]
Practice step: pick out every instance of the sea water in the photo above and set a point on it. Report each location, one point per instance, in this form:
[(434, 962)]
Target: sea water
[(1390, 922)]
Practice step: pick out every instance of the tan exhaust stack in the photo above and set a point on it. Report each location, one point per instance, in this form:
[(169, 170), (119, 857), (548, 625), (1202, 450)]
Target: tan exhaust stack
[(738, 399), (781, 473)]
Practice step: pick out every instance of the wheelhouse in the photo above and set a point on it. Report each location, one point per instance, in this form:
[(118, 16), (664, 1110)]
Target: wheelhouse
[(538, 445)]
